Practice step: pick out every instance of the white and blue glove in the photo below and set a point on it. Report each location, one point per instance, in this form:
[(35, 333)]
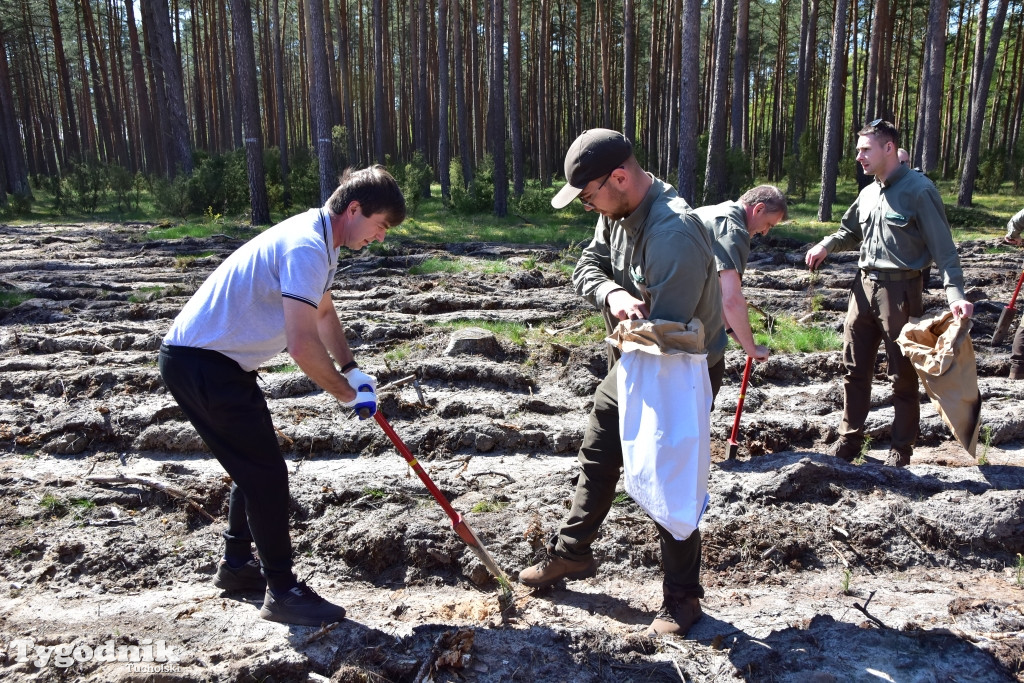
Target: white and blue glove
[(365, 402), (357, 379)]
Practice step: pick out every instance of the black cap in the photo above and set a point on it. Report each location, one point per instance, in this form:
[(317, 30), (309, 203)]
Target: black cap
[(595, 153)]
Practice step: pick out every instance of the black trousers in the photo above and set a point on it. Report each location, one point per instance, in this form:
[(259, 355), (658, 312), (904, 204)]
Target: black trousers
[(226, 406), (600, 458)]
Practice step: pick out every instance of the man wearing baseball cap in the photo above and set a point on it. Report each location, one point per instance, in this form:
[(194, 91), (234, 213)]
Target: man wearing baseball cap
[(650, 258)]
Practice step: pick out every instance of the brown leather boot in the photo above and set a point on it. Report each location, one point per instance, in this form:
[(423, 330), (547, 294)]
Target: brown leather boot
[(552, 568), (675, 617)]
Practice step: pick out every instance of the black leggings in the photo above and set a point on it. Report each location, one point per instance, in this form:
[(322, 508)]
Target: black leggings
[(227, 408)]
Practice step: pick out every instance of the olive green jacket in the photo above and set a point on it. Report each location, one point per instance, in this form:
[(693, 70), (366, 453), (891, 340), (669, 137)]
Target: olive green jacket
[(662, 254), (901, 225)]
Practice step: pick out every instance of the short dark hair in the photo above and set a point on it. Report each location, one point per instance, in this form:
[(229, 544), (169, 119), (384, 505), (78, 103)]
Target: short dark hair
[(772, 197), (376, 191), (881, 128)]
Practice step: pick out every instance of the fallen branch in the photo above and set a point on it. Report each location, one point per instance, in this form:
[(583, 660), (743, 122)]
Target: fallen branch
[(863, 609), (164, 488), (474, 477), (323, 631)]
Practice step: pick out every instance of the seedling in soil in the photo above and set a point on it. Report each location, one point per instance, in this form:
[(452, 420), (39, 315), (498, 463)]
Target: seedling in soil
[(1020, 569), (375, 494), (52, 505), (986, 435), (621, 499), (864, 449), (847, 575), (489, 506)]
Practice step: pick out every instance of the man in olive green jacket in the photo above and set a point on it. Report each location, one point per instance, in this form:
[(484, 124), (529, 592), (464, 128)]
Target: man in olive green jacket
[(900, 227), (650, 258), (731, 226), (1013, 230)]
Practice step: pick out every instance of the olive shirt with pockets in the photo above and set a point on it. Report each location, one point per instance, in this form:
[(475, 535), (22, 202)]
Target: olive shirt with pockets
[(726, 223), (661, 254), (901, 225)]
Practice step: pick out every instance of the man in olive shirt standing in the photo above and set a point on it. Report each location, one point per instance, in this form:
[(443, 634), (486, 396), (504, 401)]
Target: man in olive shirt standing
[(1013, 230), (731, 226), (900, 226), (650, 258)]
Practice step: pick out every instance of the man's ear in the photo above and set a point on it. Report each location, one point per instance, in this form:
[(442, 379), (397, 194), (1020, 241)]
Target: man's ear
[(354, 207)]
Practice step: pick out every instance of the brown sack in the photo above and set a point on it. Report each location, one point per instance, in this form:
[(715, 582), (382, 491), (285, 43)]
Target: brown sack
[(658, 337), (941, 351)]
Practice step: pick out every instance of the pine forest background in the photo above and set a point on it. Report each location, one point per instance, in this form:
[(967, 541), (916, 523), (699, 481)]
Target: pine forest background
[(253, 105)]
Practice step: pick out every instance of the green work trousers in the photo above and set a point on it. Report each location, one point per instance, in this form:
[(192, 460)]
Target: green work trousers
[(601, 460), (877, 312)]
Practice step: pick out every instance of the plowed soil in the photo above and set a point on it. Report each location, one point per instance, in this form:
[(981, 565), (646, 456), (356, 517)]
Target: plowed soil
[(815, 570)]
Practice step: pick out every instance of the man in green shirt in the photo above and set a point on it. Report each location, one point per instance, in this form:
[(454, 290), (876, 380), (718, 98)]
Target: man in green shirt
[(650, 258), (900, 227), (1013, 230), (731, 226)]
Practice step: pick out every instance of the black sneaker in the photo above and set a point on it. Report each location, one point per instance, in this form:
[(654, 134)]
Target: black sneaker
[(245, 578), (302, 606)]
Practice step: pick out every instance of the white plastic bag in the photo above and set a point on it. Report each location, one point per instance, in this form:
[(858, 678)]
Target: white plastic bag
[(665, 428)]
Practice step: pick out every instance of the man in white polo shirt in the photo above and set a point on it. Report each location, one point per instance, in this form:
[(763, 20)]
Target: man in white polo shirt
[(271, 294)]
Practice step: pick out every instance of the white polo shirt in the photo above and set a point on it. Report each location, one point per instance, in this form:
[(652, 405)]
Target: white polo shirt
[(239, 311)]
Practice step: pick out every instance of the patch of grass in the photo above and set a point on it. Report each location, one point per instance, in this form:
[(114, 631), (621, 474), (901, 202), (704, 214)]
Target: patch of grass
[(148, 293), (438, 265), (81, 507), (790, 336), (1002, 249), (283, 367), (591, 331), (185, 262), (489, 506), (15, 553), (9, 298), (53, 506), (513, 332), (374, 493), (434, 222), (622, 498), (817, 302), (399, 353), (529, 263)]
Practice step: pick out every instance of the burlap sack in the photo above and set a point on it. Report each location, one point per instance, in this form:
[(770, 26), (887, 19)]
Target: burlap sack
[(941, 351)]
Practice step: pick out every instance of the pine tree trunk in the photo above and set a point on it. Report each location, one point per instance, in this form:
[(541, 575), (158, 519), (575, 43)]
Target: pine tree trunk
[(245, 74), (496, 113), (739, 74), (936, 68), (715, 179), (13, 157), (833, 139), (173, 97), (444, 64), (980, 90), (461, 115), (689, 89), (378, 81), (71, 147), (515, 99), (628, 71)]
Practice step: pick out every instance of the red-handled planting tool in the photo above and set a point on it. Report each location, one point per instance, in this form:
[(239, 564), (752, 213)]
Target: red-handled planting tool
[(458, 524), (1006, 317), (734, 446)]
